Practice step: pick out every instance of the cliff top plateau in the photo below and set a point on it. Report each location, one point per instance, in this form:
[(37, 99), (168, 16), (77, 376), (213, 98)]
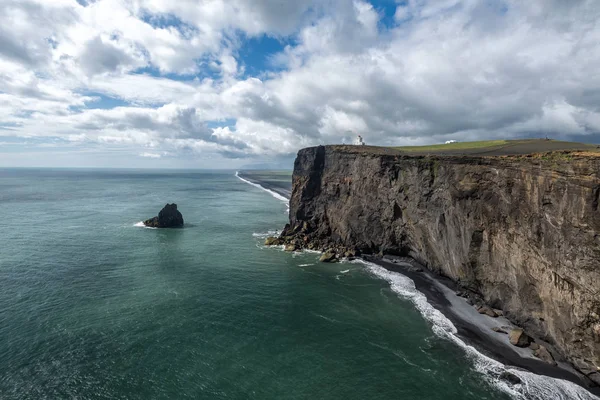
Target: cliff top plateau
[(488, 148)]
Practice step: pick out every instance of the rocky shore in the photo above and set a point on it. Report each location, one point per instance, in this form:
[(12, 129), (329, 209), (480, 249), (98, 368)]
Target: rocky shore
[(517, 236), (477, 323)]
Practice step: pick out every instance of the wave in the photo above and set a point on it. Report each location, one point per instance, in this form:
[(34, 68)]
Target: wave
[(532, 386), (266, 234), (141, 225), (271, 192)]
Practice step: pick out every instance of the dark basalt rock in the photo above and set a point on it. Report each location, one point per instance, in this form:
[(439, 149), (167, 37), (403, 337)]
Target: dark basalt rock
[(510, 378), (168, 217)]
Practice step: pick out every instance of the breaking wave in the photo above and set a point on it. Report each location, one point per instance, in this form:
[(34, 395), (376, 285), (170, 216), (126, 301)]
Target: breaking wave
[(532, 386), (141, 225)]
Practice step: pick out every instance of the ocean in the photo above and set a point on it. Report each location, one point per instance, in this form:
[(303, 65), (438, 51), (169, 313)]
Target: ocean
[(95, 306)]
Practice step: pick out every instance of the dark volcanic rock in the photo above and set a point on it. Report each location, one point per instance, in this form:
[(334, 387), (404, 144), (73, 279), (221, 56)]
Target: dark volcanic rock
[(510, 377), (522, 231), (168, 217)]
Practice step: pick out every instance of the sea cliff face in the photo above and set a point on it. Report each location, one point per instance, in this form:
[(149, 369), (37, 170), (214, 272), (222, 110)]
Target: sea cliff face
[(522, 231)]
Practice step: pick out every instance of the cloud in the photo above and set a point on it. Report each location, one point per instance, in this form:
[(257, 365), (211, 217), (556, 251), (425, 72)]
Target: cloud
[(171, 77), (150, 155), (100, 56)]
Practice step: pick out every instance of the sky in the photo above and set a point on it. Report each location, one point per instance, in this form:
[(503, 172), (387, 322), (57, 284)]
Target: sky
[(234, 83)]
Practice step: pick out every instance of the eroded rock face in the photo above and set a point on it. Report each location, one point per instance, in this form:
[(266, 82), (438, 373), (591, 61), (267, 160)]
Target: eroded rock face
[(168, 217), (543, 354), (524, 232)]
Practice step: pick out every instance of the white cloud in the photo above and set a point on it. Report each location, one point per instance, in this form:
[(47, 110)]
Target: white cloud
[(452, 69), (150, 155)]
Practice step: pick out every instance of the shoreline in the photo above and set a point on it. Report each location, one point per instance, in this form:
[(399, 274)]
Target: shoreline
[(284, 192), (473, 328)]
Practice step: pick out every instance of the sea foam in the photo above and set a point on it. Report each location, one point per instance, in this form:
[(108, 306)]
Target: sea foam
[(141, 225), (533, 386), (266, 234)]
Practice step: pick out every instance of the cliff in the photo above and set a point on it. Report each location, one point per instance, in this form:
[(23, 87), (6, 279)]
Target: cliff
[(522, 231)]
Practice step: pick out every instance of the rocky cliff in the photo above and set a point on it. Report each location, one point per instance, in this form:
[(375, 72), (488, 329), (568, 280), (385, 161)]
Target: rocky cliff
[(522, 231)]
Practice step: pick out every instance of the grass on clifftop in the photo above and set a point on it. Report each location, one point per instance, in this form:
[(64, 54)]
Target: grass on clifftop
[(499, 147), (454, 146)]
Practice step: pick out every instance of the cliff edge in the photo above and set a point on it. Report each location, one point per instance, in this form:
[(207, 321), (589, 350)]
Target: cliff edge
[(523, 231)]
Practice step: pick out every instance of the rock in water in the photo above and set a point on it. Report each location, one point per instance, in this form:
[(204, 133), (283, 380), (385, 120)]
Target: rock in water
[(510, 377), (168, 217), (328, 257), (290, 247), (272, 241)]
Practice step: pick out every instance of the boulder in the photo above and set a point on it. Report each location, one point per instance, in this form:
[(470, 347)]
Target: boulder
[(499, 330), (519, 338), (487, 311), (328, 257), (510, 377), (168, 217), (272, 241), (534, 346), (543, 354), (291, 247), (350, 254)]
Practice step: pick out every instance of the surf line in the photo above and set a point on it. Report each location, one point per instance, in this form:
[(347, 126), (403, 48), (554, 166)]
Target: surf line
[(532, 386), (272, 193)]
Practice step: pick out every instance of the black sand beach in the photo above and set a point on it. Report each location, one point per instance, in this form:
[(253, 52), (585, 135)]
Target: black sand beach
[(279, 182), (474, 328)]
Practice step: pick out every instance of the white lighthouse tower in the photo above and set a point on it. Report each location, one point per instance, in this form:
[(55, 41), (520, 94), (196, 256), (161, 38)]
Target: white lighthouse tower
[(359, 141)]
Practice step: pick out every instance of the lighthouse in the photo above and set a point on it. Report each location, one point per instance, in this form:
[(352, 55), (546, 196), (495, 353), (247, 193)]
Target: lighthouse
[(359, 141)]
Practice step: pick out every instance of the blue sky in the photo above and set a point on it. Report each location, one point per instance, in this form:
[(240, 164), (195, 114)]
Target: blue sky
[(229, 83)]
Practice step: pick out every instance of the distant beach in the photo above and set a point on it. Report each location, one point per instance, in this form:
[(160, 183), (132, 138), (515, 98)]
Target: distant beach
[(279, 182)]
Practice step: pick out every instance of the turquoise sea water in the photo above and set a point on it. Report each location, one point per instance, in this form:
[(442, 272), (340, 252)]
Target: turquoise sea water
[(94, 307)]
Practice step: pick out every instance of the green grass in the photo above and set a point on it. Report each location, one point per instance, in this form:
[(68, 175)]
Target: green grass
[(454, 146)]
